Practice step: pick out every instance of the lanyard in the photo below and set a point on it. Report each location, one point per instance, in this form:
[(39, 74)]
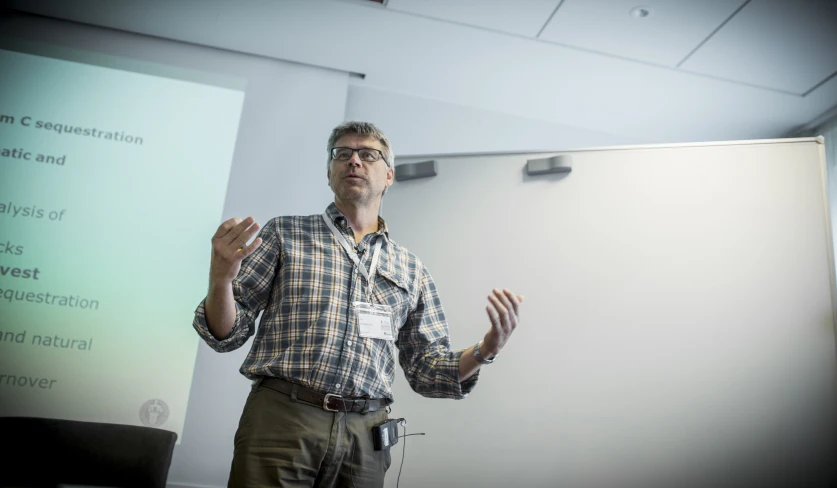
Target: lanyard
[(369, 275)]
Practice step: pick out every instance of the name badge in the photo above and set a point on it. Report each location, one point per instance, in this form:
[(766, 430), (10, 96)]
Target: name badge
[(374, 321)]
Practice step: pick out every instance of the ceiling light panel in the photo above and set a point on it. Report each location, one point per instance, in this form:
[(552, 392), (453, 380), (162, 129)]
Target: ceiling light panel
[(789, 46), (520, 17), (669, 31)]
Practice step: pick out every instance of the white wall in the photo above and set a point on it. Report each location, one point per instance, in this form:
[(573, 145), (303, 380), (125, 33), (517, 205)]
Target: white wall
[(419, 125), (278, 168)]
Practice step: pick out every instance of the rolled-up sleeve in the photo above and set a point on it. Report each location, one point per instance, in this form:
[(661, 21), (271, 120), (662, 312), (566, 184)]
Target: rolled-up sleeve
[(251, 291), (431, 367)]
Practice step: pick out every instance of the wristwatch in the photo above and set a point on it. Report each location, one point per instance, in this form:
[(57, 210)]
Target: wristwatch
[(479, 357)]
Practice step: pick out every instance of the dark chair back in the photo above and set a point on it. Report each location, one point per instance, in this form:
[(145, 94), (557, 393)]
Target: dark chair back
[(49, 452)]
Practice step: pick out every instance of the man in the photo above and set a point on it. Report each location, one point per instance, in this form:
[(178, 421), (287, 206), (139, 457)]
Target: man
[(339, 296)]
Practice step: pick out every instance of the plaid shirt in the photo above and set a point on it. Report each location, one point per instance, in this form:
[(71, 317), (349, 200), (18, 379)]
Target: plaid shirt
[(305, 283)]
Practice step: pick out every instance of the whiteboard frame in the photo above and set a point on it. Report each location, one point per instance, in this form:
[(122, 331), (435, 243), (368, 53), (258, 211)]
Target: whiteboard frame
[(818, 139), (829, 232)]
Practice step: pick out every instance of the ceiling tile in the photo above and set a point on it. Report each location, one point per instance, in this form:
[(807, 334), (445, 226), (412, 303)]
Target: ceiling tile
[(790, 46), (665, 37), (521, 17), (468, 67)]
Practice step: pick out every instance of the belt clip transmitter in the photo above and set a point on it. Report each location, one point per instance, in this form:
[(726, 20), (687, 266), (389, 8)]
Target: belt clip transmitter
[(385, 434)]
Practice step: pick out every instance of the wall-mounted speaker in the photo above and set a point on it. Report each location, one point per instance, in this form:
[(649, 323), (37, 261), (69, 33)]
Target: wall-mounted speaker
[(555, 164), (411, 171)]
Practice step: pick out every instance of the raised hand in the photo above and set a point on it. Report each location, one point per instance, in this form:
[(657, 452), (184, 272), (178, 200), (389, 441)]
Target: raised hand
[(504, 314), (229, 248)]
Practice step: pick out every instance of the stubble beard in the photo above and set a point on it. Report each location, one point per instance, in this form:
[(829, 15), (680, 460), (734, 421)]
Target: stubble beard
[(359, 195)]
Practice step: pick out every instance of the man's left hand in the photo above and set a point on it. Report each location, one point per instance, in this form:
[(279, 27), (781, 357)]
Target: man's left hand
[(504, 314)]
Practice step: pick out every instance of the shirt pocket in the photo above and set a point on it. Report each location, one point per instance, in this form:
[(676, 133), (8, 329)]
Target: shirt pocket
[(394, 291)]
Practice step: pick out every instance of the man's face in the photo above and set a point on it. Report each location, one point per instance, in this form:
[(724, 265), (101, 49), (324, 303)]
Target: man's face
[(356, 180)]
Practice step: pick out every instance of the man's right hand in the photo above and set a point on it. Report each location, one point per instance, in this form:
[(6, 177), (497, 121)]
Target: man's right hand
[(229, 248)]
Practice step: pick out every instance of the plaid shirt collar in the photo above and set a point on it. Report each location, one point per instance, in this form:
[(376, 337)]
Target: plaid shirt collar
[(342, 222)]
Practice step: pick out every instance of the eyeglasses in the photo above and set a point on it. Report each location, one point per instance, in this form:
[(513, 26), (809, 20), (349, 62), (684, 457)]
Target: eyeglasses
[(365, 154)]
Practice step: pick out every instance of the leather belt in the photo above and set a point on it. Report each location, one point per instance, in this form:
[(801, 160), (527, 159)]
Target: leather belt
[(329, 401)]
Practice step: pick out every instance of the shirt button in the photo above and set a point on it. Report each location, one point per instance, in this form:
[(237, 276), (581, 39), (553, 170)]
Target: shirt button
[(349, 343), (338, 385)]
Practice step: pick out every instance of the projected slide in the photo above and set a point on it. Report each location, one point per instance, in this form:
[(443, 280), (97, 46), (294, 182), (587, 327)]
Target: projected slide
[(112, 180)]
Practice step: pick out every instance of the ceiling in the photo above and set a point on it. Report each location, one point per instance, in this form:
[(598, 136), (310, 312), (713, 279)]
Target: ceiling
[(691, 70), (789, 46)]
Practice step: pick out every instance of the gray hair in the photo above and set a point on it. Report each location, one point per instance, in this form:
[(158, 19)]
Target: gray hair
[(362, 129)]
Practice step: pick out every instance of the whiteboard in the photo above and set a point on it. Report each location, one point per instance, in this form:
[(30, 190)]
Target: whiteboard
[(678, 323)]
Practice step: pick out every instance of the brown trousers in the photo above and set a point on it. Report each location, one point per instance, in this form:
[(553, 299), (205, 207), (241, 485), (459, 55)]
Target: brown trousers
[(283, 442)]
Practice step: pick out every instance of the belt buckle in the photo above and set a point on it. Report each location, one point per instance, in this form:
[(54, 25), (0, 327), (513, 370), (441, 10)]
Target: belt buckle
[(325, 402)]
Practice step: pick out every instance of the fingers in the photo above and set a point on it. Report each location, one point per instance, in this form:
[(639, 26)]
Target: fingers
[(510, 300), (507, 320), (234, 233), (246, 234), (506, 309), (493, 314), (225, 228), (493, 318), (229, 248), (247, 250), (242, 231)]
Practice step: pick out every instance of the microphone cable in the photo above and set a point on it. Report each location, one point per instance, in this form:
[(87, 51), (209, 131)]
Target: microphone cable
[(403, 423)]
